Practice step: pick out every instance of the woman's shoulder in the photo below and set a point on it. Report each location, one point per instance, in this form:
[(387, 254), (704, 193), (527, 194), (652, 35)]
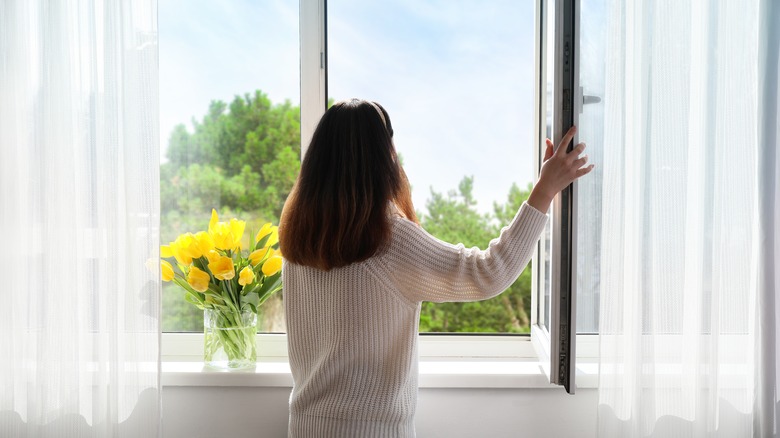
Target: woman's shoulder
[(408, 236), (398, 222)]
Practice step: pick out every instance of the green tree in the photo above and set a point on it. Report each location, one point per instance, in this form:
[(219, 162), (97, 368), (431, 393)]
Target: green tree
[(455, 219), (242, 159)]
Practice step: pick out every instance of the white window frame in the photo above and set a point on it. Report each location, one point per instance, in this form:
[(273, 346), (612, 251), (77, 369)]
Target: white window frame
[(188, 347)]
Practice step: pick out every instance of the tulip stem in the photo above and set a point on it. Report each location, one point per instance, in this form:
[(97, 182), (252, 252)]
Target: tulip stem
[(228, 331)]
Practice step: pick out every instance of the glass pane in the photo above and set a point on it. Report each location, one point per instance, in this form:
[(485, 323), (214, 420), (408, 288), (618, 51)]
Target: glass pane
[(457, 79), (546, 254), (230, 125), (591, 131)]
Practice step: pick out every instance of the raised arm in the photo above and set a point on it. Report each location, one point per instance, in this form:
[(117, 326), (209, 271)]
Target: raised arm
[(425, 268)]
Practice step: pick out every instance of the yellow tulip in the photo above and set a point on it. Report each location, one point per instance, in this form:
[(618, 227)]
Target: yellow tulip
[(274, 239), (185, 248), (165, 251), (237, 230), (204, 242), (199, 280), (151, 265), (264, 231), (226, 235), (246, 276), (212, 255), (193, 246), (167, 270), (222, 268), (258, 255), (214, 219), (181, 256), (272, 265), (268, 229)]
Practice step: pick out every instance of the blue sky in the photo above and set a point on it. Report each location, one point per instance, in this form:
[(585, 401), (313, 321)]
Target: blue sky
[(455, 76)]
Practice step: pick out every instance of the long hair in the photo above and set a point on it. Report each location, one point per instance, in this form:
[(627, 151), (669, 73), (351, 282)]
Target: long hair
[(337, 212)]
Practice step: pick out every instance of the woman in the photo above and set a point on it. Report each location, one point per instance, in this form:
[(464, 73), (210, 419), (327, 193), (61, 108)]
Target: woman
[(358, 266)]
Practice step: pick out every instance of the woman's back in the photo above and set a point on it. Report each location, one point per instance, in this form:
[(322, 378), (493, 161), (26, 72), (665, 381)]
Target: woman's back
[(353, 330), (352, 352)]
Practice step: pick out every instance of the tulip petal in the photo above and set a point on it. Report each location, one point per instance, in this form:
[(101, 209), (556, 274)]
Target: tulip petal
[(214, 219), (247, 276), (204, 242), (264, 231), (272, 265), (165, 251), (274, 238), (199, 280), (223, 268), (258, 255), (236, 231), (167, 270)]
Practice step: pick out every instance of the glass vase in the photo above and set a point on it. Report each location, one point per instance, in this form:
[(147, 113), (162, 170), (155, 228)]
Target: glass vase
[(229, 339)]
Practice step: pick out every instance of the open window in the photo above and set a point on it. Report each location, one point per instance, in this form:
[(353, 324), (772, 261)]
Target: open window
[(557, 102), (529, 53), (555, 324), (571, 72)]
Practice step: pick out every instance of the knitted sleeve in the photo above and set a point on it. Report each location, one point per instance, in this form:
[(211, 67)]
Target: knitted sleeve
[(425, 268)]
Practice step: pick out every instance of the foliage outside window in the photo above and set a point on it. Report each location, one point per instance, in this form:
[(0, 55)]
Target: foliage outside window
[(241, 155), (243, 159)]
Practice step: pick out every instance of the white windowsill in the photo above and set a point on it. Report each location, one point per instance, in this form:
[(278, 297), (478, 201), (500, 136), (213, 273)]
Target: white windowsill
[(445, 362), (464, 373)]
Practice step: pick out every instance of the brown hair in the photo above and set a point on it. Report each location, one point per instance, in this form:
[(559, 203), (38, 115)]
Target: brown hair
[(337, 212)]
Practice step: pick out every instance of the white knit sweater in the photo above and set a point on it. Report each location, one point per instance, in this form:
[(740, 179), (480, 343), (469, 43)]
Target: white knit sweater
[(352, 331)]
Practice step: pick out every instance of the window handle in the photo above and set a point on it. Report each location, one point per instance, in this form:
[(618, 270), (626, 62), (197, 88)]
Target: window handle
[(587, 99), (590, 99)]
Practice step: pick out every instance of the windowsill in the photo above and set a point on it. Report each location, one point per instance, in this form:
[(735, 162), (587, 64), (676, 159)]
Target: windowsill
[(511, 362), (446, 373)]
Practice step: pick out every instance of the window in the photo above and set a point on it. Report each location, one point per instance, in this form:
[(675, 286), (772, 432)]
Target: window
[(557, 77), (572, 73), (457, 79), (462, 81), (230, 125)]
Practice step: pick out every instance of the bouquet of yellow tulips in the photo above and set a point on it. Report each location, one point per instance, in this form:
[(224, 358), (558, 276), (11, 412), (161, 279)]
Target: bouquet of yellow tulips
[(217, 277)]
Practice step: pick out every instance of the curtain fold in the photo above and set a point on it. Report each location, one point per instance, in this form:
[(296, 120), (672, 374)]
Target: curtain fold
[(767, 372), (687, 270), (79, 212)]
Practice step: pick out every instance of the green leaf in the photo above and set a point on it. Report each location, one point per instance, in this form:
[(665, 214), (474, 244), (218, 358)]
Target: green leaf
[(251, 288), (184, 285), (261, 243), (270, 286), (190, 298), (270, 282), (258, 269), (251, 299), (212, 290)]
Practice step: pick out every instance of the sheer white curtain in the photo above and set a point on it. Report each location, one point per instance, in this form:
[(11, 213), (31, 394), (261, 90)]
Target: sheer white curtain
[(767, 370), (79, 214), (689, 240)]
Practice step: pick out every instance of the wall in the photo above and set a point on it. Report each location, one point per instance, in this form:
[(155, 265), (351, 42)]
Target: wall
[(236, 412)]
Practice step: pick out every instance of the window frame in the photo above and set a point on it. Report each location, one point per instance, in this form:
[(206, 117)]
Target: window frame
[(435, 346)]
